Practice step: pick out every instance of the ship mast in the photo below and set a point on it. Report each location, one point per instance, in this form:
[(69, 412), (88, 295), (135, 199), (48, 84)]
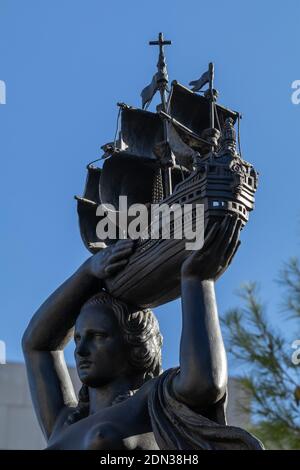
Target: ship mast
[(162, 84), (211, 72), (211, 95)]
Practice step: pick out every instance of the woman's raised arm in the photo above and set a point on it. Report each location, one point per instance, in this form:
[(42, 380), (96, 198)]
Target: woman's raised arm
[(51, 328), (202, 379)]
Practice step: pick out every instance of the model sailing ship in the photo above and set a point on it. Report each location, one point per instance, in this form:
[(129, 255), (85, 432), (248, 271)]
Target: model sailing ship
[(185, 152)]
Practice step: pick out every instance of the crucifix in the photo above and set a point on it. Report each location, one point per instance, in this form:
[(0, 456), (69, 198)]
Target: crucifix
[(162, 83), (162, 67)]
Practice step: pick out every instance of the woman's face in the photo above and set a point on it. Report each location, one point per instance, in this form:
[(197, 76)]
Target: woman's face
[(101, 353)]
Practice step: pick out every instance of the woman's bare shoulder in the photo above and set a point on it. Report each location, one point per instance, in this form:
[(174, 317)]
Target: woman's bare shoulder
[(146, 388)]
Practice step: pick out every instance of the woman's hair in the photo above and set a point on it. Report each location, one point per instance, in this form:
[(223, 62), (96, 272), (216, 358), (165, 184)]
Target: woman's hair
[(140, 331)]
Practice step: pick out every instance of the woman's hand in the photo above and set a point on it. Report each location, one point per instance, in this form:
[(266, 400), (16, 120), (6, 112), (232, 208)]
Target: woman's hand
[(217, 252), (110, 260)]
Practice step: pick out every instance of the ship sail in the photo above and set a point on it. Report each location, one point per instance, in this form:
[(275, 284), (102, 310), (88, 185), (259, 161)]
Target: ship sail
[(140, 132), (133, 168), (190, 115), (86, 209)]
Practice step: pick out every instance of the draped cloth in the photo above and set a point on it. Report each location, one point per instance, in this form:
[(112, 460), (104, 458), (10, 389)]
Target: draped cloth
[(177, 427)]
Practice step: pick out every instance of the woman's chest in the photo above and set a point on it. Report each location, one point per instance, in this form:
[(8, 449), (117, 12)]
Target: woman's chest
[(124, 426)]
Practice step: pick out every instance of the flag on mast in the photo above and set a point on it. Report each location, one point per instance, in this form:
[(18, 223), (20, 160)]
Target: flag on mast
[(205, 78), (150, 90)]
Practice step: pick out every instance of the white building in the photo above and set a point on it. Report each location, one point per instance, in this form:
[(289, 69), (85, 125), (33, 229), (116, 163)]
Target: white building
[(18, 425)]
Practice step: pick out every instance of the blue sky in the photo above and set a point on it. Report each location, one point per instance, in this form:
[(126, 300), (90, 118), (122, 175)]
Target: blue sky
[(67, 62)]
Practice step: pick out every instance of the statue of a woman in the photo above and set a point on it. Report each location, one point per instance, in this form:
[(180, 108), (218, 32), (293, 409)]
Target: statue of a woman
[(125, 401)]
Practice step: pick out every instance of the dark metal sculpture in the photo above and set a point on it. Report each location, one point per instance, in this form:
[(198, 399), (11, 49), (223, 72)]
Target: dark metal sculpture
[(177, 147), (126, 402)]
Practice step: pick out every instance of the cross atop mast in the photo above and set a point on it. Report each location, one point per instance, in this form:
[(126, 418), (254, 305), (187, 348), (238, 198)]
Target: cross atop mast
[(162, 76)]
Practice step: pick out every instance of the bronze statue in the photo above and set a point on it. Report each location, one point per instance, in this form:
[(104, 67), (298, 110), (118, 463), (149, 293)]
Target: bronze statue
[(125, 402), (176, 155)]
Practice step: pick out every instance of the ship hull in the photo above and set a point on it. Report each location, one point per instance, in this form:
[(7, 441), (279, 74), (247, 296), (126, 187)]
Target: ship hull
[(153, 273)]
